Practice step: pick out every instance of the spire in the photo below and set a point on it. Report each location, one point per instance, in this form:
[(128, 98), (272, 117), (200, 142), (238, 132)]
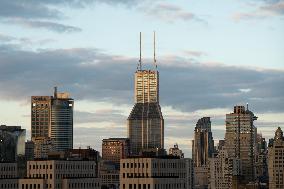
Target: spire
[(55, 92), (140, 59), (155, 61)]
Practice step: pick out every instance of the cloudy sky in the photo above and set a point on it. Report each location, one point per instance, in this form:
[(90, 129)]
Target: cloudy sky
[(211, 55)]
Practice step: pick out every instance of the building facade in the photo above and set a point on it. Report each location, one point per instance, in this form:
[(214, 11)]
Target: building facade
[(276, 161), (59, 174), (8, 175), (114, 149), (12, 143), (43, 146), (240, 139), (29, 150), (145, 122), (109, 174), (156, 173), (175, 151), (52, 116), (222, 169), (202, 150)]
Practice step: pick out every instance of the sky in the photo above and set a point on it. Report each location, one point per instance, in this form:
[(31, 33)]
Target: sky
[(211, 55)]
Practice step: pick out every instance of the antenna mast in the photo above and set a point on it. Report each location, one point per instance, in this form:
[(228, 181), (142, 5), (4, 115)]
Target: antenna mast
[(140, 59), (155, 61)]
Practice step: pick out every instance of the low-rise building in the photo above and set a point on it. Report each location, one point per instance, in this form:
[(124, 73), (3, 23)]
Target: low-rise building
[(109, 175), (156, 173), (114, 149), (59, 174), (175, 151), (8, 175)]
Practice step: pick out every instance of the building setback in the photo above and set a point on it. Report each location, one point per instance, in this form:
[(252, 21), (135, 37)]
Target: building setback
[(145, 122)]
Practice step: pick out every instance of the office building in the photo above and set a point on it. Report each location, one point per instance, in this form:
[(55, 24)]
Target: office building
[(145, 122), (222, 169), (29, 150), (8, 175), (175, 151), (276, 161), (61, 174), (261, 166), (114, 149), (12, 143), (202, 150), (109, 174), (240, 140), (156, 173), (43, 146), (52, 116)]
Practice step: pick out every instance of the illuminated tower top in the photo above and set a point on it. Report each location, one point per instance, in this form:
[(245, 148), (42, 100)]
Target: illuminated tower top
[(146, 86)]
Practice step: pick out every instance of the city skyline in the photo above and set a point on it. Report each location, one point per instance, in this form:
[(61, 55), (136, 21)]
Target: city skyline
[(198, 77)]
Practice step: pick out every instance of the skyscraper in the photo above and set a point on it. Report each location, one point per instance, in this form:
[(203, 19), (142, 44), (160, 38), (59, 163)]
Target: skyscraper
[(203, 143), (145, 122), (276, 161), (202, 150), (52, 117), (240, 139)]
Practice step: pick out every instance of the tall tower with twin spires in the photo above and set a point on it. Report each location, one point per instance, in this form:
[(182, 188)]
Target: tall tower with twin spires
[(145, 124)]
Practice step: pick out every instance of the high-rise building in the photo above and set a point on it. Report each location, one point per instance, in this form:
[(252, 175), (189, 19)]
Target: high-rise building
[(261, 168), (52, 116), (222, 169), (114, 149), (12, 143), (203, 143), (240, 139), (145, 122), (276, 161), (202, 150)]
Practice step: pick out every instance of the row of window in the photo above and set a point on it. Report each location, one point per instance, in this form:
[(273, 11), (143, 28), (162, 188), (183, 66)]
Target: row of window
[(61, 166), (9, 186), (84, 185), (8, 168), (134, 165), (156, 186)]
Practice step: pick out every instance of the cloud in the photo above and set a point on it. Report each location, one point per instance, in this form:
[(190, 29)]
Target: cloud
[(6, 38), (38, 9), (43, 14), (93, 75), (52, 26), (170, 13), (102, 115), (195, 53), (267, 9)]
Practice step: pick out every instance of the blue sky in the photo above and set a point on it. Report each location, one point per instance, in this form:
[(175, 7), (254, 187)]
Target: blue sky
[(211, 56)]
